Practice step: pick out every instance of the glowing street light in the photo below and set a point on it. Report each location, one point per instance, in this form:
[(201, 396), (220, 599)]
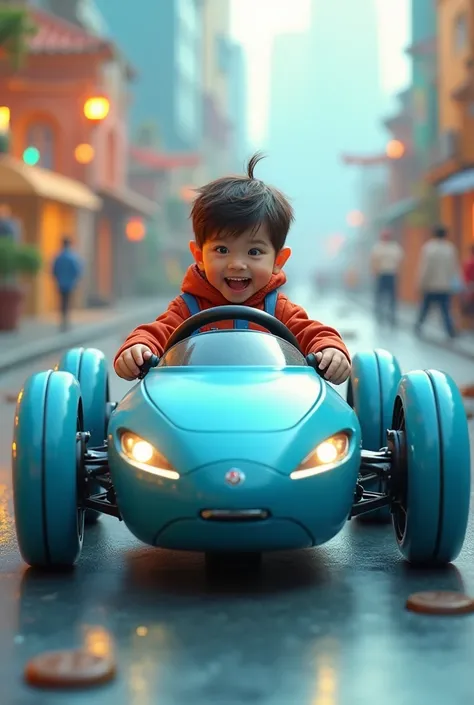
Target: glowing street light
[(96, 108), (84, 153), (395, 149), (135, 230), (4, 129)]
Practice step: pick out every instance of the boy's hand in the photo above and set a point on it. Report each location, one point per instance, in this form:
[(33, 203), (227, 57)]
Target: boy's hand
[(334, 364), (128, 364)]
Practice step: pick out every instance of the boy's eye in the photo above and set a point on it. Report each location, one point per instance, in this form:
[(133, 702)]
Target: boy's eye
[(222, 250), (255, 251)]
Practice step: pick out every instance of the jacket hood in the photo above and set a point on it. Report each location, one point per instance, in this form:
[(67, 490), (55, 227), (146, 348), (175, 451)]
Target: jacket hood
[(196, 284)]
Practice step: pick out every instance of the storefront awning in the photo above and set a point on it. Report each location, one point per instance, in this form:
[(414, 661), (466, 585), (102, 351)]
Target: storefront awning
[(462, 182), (132, 201), (19, 179)]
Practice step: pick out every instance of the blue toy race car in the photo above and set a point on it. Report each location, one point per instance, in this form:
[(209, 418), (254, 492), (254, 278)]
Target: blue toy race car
[(233, 444)]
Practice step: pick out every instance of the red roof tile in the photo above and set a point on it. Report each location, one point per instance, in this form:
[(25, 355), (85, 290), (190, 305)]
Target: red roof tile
[(161, 161), (57, 36)]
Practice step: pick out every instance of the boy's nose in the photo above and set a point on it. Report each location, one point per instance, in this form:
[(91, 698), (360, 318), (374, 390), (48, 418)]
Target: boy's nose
[(237, 265)]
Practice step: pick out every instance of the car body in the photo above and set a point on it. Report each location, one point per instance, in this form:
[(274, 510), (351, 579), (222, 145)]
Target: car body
[(232, 416), (232, 443)]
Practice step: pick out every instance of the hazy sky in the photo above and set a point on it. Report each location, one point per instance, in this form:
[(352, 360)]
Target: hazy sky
[(254, 23)]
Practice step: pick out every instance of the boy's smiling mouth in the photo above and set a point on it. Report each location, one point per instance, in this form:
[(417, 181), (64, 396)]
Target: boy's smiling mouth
[(237, 283)]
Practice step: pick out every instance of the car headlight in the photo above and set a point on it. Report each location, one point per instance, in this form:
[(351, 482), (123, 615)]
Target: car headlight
[(145, 456), (324, 457)]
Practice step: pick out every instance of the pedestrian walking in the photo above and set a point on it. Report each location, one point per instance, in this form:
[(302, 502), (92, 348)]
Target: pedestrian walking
[(439, 278), (386, 258), (67, 271)]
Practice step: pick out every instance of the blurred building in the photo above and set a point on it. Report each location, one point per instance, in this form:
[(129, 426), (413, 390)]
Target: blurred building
[(82, 12), (409, 207), (452, 171), (163, 40), (181, 51), (401, 186), (325, 92), (413, 204), (217, 71), (67, 171)]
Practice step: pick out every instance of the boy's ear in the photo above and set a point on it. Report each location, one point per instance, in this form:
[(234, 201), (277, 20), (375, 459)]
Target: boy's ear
[(281, 259), (196, 253)]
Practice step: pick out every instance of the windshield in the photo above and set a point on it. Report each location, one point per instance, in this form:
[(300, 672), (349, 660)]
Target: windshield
[(245, 347)]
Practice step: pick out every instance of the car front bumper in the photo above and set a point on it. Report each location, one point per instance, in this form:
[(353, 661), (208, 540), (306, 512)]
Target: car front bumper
[(264, 510)]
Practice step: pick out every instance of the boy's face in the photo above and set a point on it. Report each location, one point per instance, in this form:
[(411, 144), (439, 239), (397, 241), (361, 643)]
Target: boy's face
[(239, 266)]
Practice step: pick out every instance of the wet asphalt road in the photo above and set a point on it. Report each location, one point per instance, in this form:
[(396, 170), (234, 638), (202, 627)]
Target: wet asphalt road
[(317, 627)]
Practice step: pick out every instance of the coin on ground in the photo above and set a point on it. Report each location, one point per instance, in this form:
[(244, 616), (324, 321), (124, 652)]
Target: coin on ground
[(440, 602), (73, 668)]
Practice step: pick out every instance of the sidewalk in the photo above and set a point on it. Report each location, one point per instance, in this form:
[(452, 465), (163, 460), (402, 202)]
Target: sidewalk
[(432, 331), (41, 336)]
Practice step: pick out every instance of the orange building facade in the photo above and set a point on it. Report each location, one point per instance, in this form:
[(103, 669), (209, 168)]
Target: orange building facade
[(452, 168), (59, 195)]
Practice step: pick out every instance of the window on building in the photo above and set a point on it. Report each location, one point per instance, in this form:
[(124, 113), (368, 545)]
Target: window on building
[(461, 32), (42, 137)]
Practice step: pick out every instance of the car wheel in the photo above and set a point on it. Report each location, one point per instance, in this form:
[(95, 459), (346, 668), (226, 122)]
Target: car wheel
[(371, 393), (46, 459), (89, 367), (431, 483)]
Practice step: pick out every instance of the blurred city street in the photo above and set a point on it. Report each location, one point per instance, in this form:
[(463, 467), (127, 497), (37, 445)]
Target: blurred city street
[(316, 627)]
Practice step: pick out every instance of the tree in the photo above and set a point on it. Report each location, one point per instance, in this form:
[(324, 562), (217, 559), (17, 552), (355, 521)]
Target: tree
[(16, 28)]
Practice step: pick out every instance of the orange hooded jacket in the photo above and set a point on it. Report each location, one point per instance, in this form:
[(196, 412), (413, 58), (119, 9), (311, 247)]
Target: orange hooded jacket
[(312, 336)]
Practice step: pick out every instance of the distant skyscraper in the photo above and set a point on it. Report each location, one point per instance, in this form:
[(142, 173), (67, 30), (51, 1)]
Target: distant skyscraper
[(331, 103), (162, 40)]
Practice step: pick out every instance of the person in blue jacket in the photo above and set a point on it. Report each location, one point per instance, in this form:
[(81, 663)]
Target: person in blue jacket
[(67, 271)]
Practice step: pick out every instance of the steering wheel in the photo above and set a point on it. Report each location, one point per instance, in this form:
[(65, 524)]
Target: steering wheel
[(231, 313)]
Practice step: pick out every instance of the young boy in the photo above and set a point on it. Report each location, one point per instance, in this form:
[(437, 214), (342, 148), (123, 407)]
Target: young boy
[(240, 226)]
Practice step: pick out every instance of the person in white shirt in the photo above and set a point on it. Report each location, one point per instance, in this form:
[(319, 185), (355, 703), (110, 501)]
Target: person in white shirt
[(437, 274), (386, 258)]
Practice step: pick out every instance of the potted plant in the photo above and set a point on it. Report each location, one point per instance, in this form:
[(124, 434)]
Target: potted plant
[(15, 260)]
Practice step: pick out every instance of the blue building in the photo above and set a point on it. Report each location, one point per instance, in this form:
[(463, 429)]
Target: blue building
[(162, 40)]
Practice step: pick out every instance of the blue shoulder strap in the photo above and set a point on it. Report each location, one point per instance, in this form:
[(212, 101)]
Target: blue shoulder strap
[(271, 302), (191, 303), (269, 306), (193, 306)]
